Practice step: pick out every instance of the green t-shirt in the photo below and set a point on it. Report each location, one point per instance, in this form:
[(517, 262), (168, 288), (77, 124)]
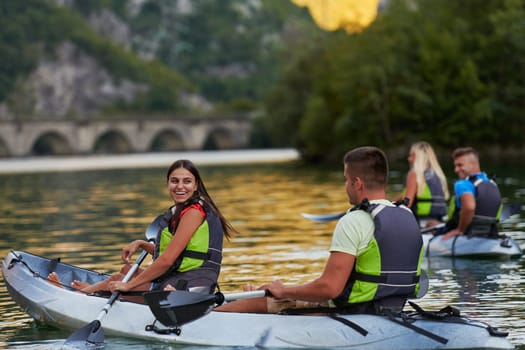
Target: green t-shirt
[(354, 231)]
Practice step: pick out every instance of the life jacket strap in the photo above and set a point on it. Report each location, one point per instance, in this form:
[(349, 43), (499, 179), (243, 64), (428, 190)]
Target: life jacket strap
[(196, 255), (389, 278)]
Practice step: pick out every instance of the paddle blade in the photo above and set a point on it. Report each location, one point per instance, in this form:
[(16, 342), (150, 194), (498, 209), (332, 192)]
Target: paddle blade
[(323, 217), (153, 228), (509, 209), (91, 336), (175, 308), (423, 284)]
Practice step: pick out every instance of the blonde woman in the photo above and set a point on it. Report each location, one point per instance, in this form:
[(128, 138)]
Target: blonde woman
[(425, 184)]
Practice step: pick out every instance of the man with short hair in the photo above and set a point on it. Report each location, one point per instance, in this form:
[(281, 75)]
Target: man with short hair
[(477, 203), (375, 255)]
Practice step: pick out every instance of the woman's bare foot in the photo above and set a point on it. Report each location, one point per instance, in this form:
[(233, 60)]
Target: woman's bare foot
[(53, 279), (78, 285)]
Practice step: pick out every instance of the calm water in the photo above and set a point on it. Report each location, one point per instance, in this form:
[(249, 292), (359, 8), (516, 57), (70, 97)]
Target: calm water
[(85, 217)]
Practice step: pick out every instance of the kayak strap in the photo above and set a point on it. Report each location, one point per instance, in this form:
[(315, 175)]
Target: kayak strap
[(19, 259), (404, 320), (350, 324), (451, 314), (169, 330), (328, 311), (50, 268), (395, 316), (445, 312)]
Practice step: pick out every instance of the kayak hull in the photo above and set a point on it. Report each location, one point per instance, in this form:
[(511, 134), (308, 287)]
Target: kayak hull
[(24, 275), (464, 246)]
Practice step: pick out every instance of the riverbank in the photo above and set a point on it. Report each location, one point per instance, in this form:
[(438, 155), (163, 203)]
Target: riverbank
[(143, 160)]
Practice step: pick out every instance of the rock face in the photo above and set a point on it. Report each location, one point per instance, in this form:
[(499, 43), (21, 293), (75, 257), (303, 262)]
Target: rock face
[(73, 84), (110, 26)]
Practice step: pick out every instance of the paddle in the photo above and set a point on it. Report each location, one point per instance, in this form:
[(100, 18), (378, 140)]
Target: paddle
[(432, 228), (178, 307), (508, 210), (92, 334), (323, 217)]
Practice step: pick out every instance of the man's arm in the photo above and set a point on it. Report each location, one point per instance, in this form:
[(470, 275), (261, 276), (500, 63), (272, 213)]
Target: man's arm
[(466, 214), (328, 286)]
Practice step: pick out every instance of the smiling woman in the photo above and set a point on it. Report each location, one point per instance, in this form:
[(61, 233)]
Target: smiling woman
[(187, 252)]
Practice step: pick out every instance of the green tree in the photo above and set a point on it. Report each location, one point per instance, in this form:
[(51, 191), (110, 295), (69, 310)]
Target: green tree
[(435, 70)]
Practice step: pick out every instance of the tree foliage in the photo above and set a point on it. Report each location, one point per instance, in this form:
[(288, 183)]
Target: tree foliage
[(449, 72), (229, 49)]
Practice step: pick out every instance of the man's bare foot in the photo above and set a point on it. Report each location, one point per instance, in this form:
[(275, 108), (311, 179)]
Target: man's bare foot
[(248, 287), (78, 285), (53, 279), (169, 287)]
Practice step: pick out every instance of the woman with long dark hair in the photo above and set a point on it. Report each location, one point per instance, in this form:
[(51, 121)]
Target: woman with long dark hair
[(187, 252)]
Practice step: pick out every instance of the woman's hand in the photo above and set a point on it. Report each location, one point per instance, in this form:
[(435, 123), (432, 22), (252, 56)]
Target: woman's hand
[(118, 285), (129, 250)]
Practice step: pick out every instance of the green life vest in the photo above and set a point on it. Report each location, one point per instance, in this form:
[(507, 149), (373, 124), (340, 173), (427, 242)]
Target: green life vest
[(204, 249)]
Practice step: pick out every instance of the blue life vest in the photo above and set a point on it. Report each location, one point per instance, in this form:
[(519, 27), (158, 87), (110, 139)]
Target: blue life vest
[(488, 209)]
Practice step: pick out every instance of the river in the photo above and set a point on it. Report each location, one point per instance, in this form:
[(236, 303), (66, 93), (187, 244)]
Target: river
[(87, 212)]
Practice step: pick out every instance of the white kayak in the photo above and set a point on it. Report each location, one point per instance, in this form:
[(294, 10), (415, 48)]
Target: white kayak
[(25, 278), (460, 246), (466, 246)]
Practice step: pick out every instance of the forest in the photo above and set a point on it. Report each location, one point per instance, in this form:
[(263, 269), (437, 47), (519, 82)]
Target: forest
[(448, 72)]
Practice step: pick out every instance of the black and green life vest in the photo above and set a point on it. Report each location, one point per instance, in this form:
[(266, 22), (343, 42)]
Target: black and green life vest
[(431, 203), (204, 249), (391, 263)]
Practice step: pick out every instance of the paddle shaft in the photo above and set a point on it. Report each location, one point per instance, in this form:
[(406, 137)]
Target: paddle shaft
[(508, 210), (246, 295), (126, 278), (432, 228)]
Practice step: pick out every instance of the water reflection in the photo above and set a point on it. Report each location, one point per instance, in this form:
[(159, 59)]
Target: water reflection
[(86, 217), (489, 290)]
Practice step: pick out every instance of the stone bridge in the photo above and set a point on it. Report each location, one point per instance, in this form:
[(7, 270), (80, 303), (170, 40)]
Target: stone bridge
[(27, 138)]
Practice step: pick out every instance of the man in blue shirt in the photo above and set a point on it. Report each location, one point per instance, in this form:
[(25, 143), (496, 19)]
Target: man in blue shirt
[(477, 197)]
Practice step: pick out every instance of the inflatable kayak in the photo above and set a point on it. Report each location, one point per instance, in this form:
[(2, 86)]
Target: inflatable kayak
[(459, 246), (466, 246), (188, 318)]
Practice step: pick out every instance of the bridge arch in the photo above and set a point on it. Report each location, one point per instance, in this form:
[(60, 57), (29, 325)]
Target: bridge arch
[(51, 143), (112, 141), (23, 138), (167, 140), (220, 138), (4, 150)]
